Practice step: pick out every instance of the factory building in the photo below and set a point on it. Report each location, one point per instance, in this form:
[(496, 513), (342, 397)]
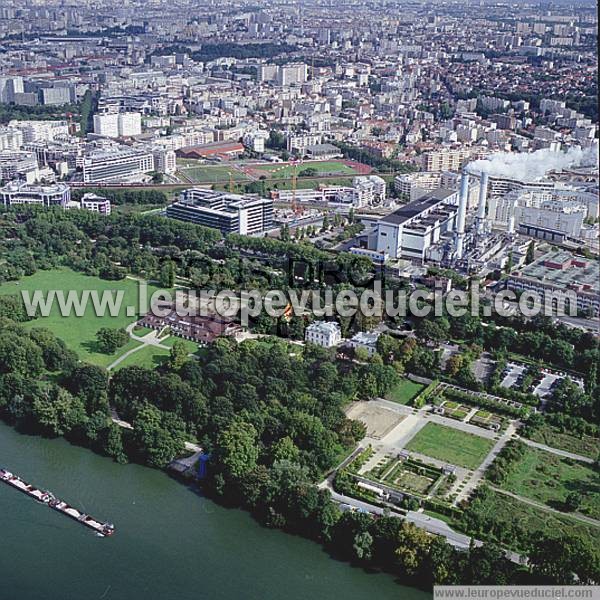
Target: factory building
[(230, 213), (412, 229)]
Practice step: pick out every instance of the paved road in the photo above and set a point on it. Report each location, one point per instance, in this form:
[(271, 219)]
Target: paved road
[(422, 521), (556, 451)]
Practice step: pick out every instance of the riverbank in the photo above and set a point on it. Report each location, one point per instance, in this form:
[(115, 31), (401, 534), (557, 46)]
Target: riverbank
[(170, 542)]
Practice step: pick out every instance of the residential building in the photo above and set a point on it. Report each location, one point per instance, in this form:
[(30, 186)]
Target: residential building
[(326, 334)]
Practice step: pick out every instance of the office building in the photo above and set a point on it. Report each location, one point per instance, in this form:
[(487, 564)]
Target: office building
[(117, 165), (18, 192), (230, 213)]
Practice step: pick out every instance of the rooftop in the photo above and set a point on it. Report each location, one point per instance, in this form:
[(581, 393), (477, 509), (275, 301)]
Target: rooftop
[(412, 209)]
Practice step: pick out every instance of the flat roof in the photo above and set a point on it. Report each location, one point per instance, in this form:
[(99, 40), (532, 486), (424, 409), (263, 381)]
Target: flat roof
[(412, 209)]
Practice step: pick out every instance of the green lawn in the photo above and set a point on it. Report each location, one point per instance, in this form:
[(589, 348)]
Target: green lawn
[(190, 346), (549, 435), (79, 333), (148, 357), (405, 391), (212, 173), (493, 516), (450, 445), (549, 478), (324, 167)]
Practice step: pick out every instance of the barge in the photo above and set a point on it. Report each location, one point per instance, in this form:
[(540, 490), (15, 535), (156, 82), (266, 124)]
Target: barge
[(47, 498)]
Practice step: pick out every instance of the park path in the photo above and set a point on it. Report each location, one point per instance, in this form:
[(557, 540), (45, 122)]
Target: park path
[(149, 339), (562, 453), (479, 472), (535, 504)]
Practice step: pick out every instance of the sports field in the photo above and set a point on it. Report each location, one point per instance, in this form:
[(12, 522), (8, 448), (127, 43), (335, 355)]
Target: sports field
[(450, 445), (212, 174), (324, 167), (79, 333)]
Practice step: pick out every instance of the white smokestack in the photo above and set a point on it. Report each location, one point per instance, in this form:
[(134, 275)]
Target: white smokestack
[(524, 166), (461, 217), (512, 218), (483, 186)]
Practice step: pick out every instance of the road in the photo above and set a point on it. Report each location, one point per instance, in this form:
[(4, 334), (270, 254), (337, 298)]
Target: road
[(422, 521)]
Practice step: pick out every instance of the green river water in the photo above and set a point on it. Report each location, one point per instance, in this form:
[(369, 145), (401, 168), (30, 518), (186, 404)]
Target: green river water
[(170, 543)]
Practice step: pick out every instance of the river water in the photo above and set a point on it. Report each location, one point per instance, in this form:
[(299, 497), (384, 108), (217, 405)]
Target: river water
[(170, 543)]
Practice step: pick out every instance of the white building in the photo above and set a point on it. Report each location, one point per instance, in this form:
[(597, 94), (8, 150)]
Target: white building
[(107, 124), (115, 125), (22, 165), (323, 333), (230, 213), (130, 123), (365, 340), (165, 161), (412, 229), (255, 140), (95, 203), (41, 131), (10, 138), (116, 165), (19, 192)]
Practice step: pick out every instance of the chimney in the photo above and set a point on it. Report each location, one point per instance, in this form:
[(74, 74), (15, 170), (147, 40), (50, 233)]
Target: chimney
[(483, 187), (462, 214)]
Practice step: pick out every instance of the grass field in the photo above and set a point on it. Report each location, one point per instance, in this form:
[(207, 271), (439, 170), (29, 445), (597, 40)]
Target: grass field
[(325, 167), (548, 478), (148, 357), (584, 445), (514, 523), (79, 333), (450, 445), (405, 391), (213, 173)]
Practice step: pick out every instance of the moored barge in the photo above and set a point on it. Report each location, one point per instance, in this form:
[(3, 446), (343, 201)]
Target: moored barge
[(102, 529)]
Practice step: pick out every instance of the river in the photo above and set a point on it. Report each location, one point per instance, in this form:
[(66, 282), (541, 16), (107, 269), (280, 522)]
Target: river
[(170, 543)]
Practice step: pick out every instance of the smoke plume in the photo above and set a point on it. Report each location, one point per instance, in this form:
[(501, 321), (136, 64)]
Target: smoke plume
[(529, 167)]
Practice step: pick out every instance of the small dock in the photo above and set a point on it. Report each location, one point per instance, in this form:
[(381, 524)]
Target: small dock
[(48, 498)]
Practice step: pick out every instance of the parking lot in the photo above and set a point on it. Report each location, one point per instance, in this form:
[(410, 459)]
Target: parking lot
[(512, 374)]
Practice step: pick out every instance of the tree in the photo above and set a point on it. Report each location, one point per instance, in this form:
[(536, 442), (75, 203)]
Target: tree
[(91, 383), (109, 340), (237, 449), (58, 411), (178, 355), (413, 548), (158, 436), (564, 560), (167, 274), (362, 545)]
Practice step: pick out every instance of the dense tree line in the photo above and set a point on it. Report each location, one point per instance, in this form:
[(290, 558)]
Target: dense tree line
[(119, 196)]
